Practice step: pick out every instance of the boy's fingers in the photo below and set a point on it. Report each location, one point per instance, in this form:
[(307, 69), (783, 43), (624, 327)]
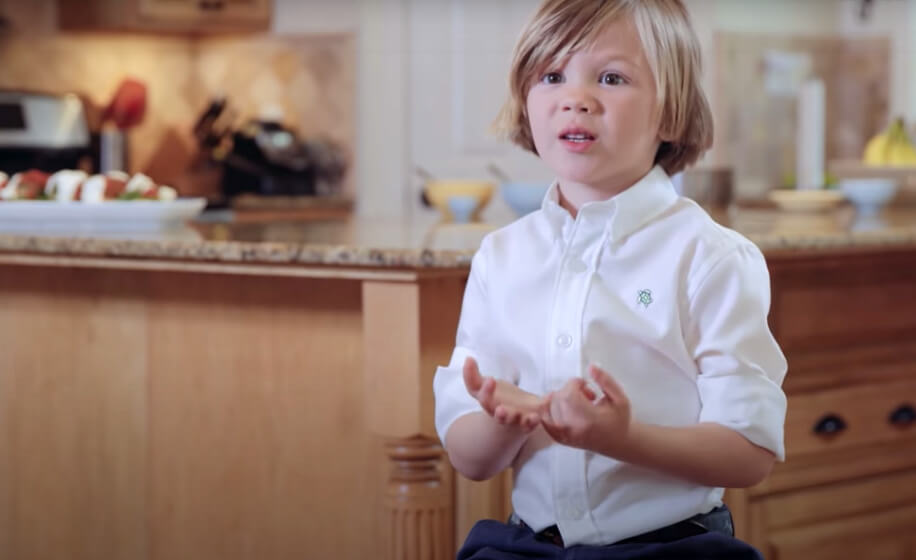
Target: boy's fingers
[(472, 378), (587, 391), (486, 394), (512, 416), (578, 388), (607, 383), (576, 394), (544, 405), (554, 431)]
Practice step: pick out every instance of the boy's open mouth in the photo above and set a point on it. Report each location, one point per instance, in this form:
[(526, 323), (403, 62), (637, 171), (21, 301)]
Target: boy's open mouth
[(577, 135), (577, 140)]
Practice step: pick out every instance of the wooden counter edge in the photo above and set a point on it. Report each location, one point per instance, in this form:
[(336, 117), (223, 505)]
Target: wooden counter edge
[(297, 270)]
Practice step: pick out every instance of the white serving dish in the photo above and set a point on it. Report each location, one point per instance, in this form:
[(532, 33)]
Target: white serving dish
[(806, 200), (129, 216)]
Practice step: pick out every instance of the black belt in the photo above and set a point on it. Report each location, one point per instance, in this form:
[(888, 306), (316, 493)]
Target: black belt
[(718, 520)]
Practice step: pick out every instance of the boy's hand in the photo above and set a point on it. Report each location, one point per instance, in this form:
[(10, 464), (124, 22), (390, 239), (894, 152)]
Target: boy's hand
[(575, 418), (505, 402)]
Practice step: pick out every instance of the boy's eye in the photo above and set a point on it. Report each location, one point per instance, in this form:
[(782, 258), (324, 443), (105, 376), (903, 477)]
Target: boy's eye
[(612, 79), (552, 78)]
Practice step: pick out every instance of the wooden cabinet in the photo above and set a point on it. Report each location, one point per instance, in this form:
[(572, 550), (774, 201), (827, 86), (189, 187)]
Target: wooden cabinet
[(886, 535), (847, 489), (167, 16)]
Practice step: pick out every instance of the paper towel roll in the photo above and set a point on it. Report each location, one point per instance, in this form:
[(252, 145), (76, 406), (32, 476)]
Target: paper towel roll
[(810, 136)]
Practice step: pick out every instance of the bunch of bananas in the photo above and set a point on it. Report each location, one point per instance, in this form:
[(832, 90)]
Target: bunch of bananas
[(891, 147)]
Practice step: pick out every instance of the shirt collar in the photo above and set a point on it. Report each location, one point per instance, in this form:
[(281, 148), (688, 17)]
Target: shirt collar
[(623, 213)]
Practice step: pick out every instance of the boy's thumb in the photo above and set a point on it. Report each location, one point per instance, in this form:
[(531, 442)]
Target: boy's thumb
[(471, 375)]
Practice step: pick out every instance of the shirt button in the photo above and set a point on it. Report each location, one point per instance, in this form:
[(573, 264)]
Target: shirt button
[(564, 341), (575, 513), (575, 265)]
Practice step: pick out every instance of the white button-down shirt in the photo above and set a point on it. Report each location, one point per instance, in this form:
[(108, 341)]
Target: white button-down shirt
[(671, 304)]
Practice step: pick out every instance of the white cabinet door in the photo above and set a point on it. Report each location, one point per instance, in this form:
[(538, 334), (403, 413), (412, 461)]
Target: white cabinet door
[(460, 51)]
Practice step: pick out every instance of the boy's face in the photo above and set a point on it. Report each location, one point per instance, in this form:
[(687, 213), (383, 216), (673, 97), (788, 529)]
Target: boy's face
[(594, 120)]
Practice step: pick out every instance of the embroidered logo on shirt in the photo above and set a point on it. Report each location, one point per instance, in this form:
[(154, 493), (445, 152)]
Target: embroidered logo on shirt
[(644, 298)]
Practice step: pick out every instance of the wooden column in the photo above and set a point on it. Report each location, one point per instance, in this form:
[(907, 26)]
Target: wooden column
[(409, 329), (418, 501)]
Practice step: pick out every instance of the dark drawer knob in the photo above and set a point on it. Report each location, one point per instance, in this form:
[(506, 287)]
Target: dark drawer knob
[(211, 5), (829, 425), (903, 416)]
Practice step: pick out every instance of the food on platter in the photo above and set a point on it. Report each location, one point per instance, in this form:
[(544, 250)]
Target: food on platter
[(27, 185), (70, 185)]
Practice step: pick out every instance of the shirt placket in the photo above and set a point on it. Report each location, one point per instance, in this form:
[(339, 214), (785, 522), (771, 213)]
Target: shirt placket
[(571, 506)]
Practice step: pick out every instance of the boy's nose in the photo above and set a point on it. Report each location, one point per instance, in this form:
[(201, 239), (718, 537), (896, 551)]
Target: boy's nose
[(579, 103)]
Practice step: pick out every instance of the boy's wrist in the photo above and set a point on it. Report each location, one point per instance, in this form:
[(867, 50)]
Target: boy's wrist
[(624, 445)]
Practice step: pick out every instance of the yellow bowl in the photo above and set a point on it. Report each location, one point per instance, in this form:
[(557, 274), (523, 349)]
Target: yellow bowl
[(468, 196)]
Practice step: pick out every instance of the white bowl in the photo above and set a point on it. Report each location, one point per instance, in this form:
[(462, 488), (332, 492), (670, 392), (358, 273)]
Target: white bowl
[(869, 195)]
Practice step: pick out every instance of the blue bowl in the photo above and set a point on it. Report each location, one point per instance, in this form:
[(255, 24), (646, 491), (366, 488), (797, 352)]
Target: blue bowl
[(524, 198), (462, 208)]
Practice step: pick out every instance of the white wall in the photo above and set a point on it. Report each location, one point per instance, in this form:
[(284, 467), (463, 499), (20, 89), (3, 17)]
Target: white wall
[(382, 123), (316, 16)]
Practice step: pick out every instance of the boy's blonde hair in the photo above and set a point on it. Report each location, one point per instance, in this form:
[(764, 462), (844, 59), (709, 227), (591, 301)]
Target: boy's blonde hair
[(560, 27)]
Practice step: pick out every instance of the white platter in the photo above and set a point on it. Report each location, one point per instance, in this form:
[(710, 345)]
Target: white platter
[(110, 216), (819, 200)]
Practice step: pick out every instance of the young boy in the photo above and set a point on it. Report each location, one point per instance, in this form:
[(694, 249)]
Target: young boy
[(613, 347)]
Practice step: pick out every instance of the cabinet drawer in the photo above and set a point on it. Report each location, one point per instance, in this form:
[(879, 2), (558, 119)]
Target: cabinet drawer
[(851, 416), (885, 535), (843, 500)]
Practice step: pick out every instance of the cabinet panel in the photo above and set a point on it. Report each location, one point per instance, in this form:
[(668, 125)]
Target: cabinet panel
[(72, 415), (166, 16), (881, 536), (847, 312), (838, 465), (843, 301), (858, 498), (203, 10)]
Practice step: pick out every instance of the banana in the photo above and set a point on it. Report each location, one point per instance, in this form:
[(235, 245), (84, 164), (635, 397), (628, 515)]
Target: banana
[(891, 147), (876, 149), (902, 152)]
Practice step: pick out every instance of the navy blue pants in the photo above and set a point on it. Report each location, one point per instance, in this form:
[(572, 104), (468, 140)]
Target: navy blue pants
[(492, 540)]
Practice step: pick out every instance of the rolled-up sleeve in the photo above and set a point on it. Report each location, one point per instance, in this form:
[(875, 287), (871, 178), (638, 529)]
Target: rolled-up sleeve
[(741, 367), (474, 339)]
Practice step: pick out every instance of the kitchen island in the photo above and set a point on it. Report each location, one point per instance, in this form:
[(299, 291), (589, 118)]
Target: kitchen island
[(264, 390)]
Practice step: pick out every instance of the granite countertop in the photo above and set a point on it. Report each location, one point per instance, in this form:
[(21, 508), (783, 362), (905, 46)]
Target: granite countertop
[(359, 242)]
